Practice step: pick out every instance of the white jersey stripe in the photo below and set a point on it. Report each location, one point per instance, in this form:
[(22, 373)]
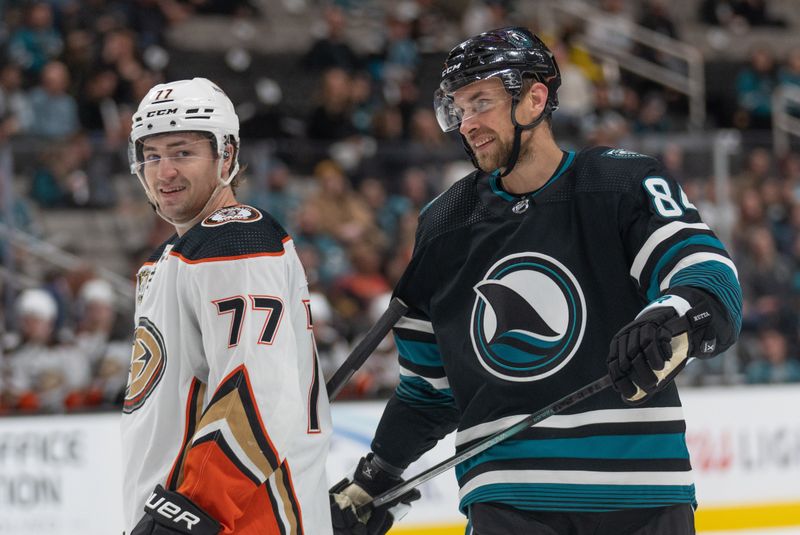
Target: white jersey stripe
[(680, 305), (439, 383), (414, 325), (696, 258), (280, 510), (657, 237), (569, 421), (222, 427), (576, 478)]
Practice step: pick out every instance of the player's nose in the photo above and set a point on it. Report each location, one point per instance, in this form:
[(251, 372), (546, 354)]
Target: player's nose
[(468, 124), (166, 168)]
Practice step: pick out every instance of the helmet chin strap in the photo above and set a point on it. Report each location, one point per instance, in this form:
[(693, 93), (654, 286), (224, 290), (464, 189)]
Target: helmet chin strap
[(518, 128)]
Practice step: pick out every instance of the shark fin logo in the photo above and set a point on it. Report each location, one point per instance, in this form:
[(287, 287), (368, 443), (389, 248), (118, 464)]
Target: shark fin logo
[(528, 318)]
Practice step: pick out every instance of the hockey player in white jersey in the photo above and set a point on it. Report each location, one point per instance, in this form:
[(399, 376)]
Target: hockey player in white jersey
[(226, 420)]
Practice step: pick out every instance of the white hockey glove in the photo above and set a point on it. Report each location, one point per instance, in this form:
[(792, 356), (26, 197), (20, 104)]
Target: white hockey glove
[(367, 482), (171, 513)]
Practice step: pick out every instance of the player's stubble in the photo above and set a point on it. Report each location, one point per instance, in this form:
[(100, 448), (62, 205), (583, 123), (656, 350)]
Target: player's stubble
[(490, 160)]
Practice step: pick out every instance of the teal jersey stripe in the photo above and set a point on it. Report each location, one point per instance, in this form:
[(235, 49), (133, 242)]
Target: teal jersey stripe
[(421, 353), (672, 252), (720, 280), (586, 498), (657, 446), (495, 176), (496, 188), (564, 167), (417, 391), (514, 355)]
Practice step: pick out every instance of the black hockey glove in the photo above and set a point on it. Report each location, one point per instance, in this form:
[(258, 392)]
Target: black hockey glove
[(367, 482), (171, 513), (647, 354)]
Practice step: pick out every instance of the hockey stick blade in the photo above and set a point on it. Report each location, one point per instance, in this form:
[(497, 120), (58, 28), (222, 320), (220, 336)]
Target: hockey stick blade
[(680, 348), (366, 346)]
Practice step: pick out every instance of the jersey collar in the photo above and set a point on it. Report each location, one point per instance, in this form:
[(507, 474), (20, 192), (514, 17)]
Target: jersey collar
[(501, 202)]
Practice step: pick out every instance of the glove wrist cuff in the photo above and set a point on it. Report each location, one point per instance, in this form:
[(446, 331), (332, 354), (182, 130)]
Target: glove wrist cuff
[(385, 466), (371, 477)]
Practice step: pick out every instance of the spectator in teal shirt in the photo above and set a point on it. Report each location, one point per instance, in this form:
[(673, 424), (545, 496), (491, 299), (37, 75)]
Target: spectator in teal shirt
[(775, 364)]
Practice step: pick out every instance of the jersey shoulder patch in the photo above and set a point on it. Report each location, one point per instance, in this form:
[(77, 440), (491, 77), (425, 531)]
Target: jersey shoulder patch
[(623, 154), (597, 171), (216, 239), (456, 207), (241, 213), (160, 250)]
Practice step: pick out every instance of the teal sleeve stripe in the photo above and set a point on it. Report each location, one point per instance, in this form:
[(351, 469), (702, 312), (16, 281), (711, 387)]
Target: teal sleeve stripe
[(672, 252), (585, 498), (718, 279), (659, 446), (421, 353), (417, 391)]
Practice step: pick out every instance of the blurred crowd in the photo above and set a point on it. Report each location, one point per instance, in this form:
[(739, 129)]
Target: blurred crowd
[(348, 174)]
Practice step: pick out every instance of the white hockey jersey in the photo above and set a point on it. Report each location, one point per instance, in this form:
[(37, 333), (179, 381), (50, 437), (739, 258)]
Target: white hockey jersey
[(225, 400)]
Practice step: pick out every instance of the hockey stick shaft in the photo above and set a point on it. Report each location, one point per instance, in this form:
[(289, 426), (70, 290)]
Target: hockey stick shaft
[(554, 408), (680, 346), (366, 346)]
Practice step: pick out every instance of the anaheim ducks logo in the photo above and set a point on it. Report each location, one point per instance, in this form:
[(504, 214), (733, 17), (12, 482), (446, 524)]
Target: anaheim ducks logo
[(238, 214), (148, 361)]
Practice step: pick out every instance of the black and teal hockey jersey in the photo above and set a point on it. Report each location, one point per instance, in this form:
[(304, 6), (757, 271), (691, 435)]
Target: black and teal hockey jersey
[(513, 303)]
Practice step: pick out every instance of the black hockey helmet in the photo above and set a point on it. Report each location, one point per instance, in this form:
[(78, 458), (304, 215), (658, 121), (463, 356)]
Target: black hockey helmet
[(510, 54)]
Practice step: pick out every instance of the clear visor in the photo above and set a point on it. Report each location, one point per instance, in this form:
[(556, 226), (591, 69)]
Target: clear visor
[(465, 103), (148, 157)]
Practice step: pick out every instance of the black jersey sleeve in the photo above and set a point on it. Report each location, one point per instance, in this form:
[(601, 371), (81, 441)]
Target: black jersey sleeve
[(422, 410), (673, 252)]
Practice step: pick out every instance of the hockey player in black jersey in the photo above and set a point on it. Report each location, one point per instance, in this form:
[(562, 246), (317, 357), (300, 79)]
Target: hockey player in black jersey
[(535, 275)]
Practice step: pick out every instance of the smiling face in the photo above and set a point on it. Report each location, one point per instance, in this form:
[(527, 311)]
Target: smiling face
[(486, 122), (181, 173), (485, 108)]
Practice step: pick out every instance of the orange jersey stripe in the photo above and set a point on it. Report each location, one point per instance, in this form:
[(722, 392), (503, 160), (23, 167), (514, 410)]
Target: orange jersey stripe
[(231, 498), (214, 483), (223, 258)]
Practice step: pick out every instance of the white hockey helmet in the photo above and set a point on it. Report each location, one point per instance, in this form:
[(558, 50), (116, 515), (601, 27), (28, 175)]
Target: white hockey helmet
[(196, 105), (37, 303)]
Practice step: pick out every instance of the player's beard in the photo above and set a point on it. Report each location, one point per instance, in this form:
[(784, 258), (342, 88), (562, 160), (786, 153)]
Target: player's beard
[(498, 158), (494, 158)]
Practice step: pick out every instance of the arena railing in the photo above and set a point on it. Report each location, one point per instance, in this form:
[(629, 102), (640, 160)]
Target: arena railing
[(785, 120), (690, 83)]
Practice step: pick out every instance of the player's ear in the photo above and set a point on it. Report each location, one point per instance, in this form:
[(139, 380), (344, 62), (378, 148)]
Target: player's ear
[(227, 156), (537, 97), (532, 102)]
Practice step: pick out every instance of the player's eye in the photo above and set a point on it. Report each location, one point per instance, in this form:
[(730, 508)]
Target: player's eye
[(482, 104), (151, 158)]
